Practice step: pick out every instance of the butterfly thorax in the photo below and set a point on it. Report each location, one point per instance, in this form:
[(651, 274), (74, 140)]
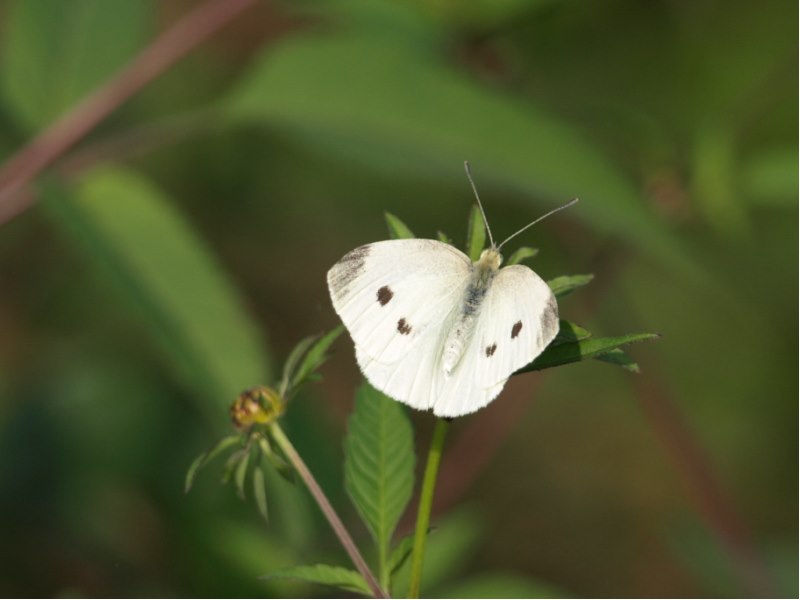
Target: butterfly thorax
[(463, 327)]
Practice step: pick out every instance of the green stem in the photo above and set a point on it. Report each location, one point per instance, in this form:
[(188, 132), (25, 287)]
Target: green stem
[(425, 505), (335, 522)]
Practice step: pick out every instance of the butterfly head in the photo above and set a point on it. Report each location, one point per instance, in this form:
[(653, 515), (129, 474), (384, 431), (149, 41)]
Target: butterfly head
[(490, 259)]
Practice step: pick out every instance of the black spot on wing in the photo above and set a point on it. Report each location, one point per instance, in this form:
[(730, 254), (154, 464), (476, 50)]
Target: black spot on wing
[(516, 329), (490, 349), (384, 295), (403, 327)]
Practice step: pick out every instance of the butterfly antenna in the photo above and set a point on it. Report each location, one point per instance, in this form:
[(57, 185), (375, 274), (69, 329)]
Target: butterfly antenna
[(478, 198), (555, 210)]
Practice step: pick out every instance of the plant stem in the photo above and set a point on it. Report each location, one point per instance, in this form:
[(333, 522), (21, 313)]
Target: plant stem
[(324, 505), (425, 505), (169, 47)]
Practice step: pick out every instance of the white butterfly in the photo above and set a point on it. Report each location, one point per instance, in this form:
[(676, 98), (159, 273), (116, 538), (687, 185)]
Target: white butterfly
[(436, 331)]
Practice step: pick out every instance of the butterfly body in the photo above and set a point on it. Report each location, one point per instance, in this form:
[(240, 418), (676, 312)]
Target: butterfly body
[(481, 276), (436, 331)]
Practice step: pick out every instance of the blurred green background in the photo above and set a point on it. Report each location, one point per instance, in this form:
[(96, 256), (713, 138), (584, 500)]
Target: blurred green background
[(178, 253)]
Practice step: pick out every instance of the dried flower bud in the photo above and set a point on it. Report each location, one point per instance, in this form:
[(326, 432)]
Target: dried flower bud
[(259, 405)]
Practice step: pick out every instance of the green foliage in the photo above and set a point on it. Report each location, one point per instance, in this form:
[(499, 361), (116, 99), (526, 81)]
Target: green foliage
[(54, 52), (521, 254), (566, 284), (400, 553), (476, 234), (563, 354), (253, 442), (569, 332), (260, 492), (676, 132), (339, 577), (129, 227), (207, 457), (397, 229), (620, 358), (379, 464), (304, 360)]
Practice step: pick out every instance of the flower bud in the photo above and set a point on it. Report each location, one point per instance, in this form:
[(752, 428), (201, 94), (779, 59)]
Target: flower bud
[(259, 405)]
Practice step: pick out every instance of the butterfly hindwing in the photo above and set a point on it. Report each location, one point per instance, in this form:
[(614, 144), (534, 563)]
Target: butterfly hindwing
[(518, 319)]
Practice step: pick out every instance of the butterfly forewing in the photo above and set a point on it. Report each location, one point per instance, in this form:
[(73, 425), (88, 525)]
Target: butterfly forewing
[(393, 295)]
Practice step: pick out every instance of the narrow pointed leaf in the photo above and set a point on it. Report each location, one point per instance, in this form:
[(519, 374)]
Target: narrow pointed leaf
[(569, 332), (194, 468), (379, 461), (521, 254), (397, 229), (476, 234), (292, 361), (232, 464), (400, 553), (338, 577), (260, 492), (620, 358), (563, 354), (566, 284), (443, 237), (241, 474), (316, 356), (207, 457)]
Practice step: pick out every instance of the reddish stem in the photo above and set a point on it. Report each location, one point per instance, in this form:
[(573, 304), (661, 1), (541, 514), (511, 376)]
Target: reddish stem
[(162, 53)]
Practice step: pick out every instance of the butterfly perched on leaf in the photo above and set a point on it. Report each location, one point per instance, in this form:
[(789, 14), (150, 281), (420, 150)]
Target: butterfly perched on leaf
[(434, 330)]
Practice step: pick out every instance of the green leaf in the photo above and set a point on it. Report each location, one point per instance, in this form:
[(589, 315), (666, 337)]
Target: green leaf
[(501, 585), (338, 577), (316, 356), (476, 234), (442, 237), (240, 475), (207, 457), (408, 109), (291, 363), (232, 464), (521, 254), (401, 552), (563, 354), (620, 358), (260, 491), (54, 52), (569, 332), (566, 284), (379, 462), (166, 272), (397, 229)]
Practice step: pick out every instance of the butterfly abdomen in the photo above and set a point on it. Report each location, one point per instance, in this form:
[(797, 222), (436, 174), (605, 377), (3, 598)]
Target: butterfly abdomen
[(463, 328)]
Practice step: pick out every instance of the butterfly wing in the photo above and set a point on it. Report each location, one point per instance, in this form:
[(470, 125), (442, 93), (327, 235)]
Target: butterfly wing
[(395, 298), (517, 320)]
